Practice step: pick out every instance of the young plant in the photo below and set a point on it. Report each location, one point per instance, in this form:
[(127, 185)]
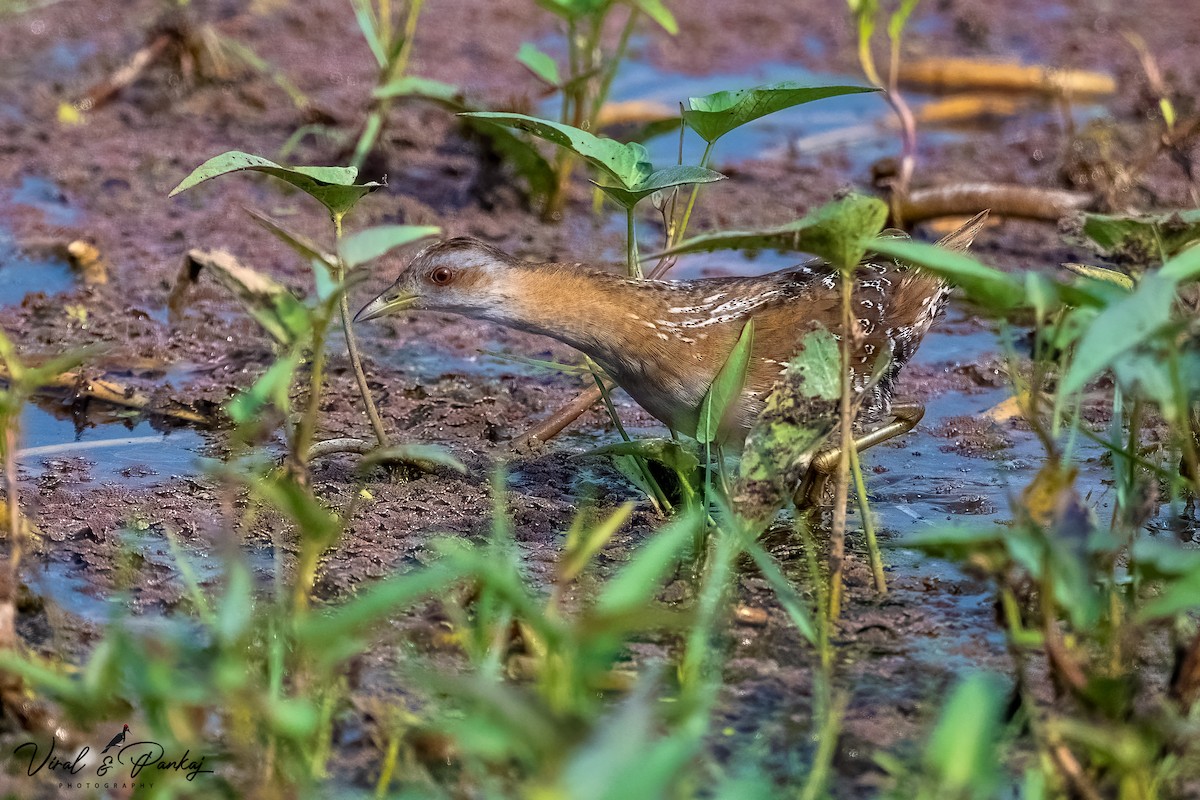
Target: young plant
[(1091, 597), (587, 78), (336, 189), (391, 44), (715, 115), (865, 14), (21, 381), (628, 177)]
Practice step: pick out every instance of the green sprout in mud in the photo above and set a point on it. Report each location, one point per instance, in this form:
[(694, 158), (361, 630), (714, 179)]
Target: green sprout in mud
[(391, 45), (337, 190)]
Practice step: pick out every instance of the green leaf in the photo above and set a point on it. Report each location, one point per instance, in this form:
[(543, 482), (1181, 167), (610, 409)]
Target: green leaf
[(1145, 238), (329, 634), (1119, 328), (657, 181), (333, 187), (573, 9), (726, 387), (638, 582), (787, 595), (1158, 559), (668, 452), (799, 413), (1102, 274), (655, 10), (539, 63), (584, 545), (270, 303), (626, 754), (630, 175), (371, 243), (422, 88), (272, 389), (307, 248), (1183, 267), (365, 16), (990, 288), (627, 164), (832, 232), (236, 609), (1178, 596), (715, 115), (961, 754), (425, 455)]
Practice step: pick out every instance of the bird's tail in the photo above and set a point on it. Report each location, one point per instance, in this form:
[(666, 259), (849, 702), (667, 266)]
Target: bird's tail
[(960, 240)]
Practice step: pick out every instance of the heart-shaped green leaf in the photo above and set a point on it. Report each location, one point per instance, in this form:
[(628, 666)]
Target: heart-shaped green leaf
[(371, 243), (660, 179), (333, 187), (715, 115), (627, 164)]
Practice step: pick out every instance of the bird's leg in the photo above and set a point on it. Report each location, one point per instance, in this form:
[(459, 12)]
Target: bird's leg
[(905, 417)]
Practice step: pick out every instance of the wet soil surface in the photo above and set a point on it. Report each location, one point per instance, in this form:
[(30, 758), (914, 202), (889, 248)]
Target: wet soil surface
[(106, 181)]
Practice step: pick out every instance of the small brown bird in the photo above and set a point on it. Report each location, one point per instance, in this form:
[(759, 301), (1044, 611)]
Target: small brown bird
[(665, 341)]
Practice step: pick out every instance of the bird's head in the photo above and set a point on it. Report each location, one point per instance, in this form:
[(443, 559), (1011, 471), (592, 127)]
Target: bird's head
[(463, 276), (125, 728)]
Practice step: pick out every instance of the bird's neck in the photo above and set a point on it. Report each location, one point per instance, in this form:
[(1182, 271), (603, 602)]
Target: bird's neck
[(597, 313)]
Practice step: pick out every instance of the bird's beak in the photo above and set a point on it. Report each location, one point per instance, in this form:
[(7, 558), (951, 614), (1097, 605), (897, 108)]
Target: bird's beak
[(389, 302)]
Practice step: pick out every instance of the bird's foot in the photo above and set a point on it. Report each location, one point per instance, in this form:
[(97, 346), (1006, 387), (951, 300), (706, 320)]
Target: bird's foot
[(905, 417)]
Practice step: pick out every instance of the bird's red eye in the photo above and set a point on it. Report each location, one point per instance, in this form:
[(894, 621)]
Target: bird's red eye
[(441, 276)]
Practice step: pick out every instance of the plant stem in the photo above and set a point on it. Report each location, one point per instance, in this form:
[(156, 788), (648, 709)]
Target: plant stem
[(827, 738), (16, 536), (306, 430), (389, 766), (632, 265), (390, 72), (687, 213), (610, 69), (864, 509), (908, 134), (410, 33), (659, 496), (384, 20), (352, 343), (821, 619), (837, 533)]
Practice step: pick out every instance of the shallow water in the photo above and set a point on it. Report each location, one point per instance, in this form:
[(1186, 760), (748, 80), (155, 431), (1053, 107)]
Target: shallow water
[(22, 274), (109, 444)]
